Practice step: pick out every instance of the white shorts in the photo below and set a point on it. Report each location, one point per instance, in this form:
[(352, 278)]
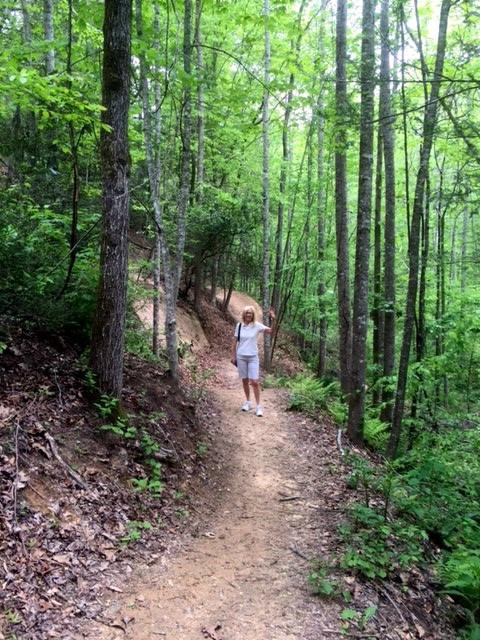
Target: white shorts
[(248, 367)]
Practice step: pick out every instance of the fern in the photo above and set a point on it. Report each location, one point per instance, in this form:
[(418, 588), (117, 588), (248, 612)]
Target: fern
[(311, 395), (461, 575), (375, 433)]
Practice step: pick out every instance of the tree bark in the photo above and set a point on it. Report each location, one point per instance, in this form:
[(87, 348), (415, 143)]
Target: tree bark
[(429, 124), (266, 186), (48, 30), (322, 345), (184, 187), (377, 311), (341, 214), (360, 302), (390, 236), (109, 322)]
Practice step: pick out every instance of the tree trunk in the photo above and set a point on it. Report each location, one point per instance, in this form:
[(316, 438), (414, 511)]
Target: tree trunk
[(75, 169), (109, 322), (360, 302), (377, 311), (213, 288), (463, 263), (284, 170), (200, 104), (49, 35), (321, 202), (429, 124), (341, 214), (158, 210), (184, 187), (266, 186), (390, 237)]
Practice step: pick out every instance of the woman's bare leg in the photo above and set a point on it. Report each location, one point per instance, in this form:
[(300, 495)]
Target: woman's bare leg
[(256, 390), (246, 387)]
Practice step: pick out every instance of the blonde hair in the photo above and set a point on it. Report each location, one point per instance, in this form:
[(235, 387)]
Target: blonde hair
[(248, 309)]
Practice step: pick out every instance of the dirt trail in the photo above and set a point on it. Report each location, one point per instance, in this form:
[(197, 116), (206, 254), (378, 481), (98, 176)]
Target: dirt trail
[(244, 575)]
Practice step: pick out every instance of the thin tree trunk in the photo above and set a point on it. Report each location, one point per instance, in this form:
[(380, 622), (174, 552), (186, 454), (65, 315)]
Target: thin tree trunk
[(284, 170), (200, 104), (200, 159), (463, 264), (109, 322), (158, 209), (306, 255), (390, 235), (26, 23), (49, 33), (341, 214), (356, 408), (377, 311), (430, 120), (321, 205), (75, 170), (266, 185), (404, 122), (184, 187), (213, 288)]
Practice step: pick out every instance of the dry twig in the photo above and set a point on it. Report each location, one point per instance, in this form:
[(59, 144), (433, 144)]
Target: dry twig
[(71, 472)]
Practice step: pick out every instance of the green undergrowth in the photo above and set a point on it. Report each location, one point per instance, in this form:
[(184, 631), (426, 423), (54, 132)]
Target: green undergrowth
[(421, 509), (313, 395), (122, 427)]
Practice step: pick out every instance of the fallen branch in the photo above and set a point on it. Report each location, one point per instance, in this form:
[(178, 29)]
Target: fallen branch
[(15, 481), (345, 634), (71, 472), (289, 498), (339, 442), (299, 554), (394, 604)]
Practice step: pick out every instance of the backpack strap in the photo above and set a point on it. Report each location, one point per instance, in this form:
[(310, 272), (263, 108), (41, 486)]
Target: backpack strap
[(238, 334)]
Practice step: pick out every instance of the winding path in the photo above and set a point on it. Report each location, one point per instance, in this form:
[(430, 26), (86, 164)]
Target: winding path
[(244, 575)]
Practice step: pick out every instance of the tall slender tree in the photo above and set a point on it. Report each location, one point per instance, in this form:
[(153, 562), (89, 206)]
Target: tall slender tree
[(377, 309), (266, 183), (49, 32), (364, 212), (341, 213), (109, 322), (390, 236), (429, 124)]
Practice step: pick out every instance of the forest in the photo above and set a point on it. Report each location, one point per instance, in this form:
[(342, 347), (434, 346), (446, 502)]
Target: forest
[(319, 156)]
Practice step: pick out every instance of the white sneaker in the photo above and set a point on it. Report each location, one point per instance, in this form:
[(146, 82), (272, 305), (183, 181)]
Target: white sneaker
[(259, 411), (246, 406)]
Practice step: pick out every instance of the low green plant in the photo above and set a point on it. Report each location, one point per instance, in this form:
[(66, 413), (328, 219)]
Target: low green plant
[(272, 381), (460, 574), (378, 546), (359, 618), (135, 529), (201, 448), (471, 632), (121, 427), (311, 395), (376, 433), (152, 482), (107, 406), (322, 581)]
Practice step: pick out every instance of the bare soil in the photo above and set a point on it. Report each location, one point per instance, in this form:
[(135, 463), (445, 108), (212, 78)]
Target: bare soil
[(249, 504), (243, 574)]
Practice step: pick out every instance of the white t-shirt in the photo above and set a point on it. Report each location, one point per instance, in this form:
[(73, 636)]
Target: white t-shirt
[(248, 338)]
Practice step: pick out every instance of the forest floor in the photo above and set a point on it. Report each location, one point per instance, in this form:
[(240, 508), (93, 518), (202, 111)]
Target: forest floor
[(277, 495), (242, 574), (249, 506)]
